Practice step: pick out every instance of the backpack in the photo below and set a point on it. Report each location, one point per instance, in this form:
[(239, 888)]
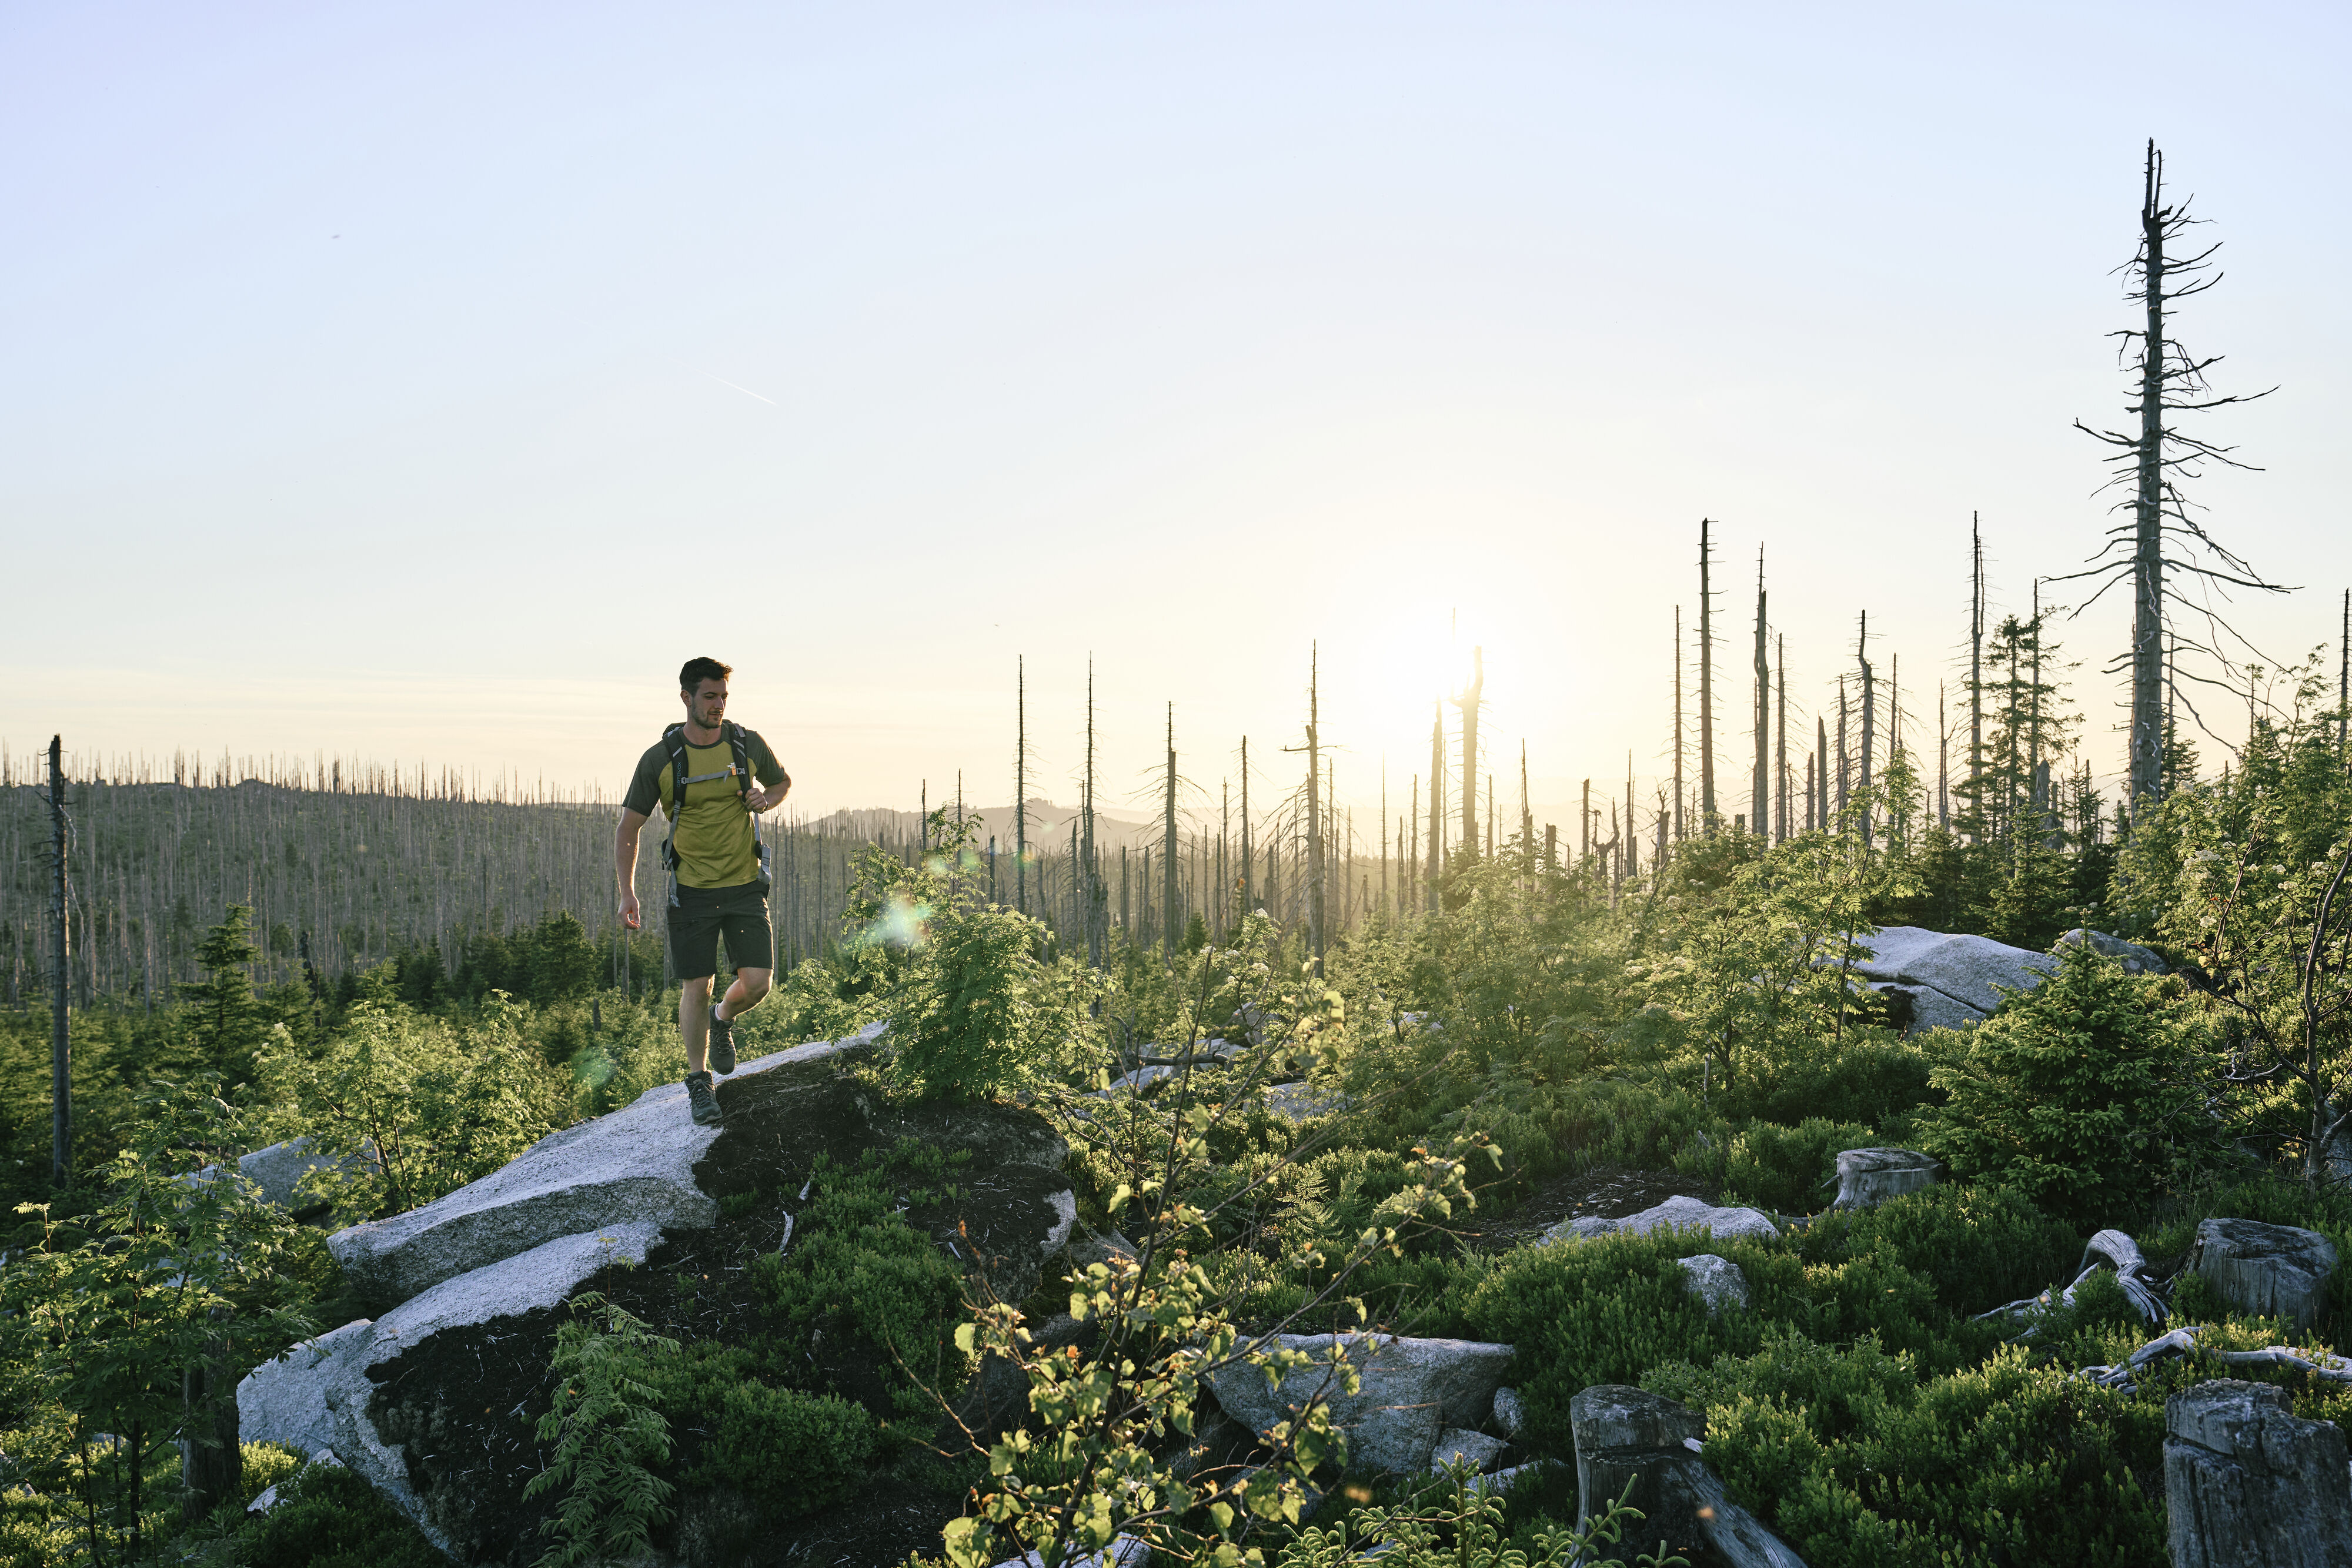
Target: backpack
[(674, 739)]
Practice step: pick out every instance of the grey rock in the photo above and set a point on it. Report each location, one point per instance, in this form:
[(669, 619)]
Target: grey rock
[(1867, 1177), (1964, 968), (1459, 1445), (1630, 1435), (1679, 1213), (279, 1168), (2247, 1484), (1917, 1008), (2264, 1270), (1099, 1246), (529, 1281), (1504, 1480), (2134, 959), (284, 1400), (634, 1166), (1510, 1417), (1137, 1082), (1717, 1281), (1301, 1101), (1124, 1551), (1410, 1391)]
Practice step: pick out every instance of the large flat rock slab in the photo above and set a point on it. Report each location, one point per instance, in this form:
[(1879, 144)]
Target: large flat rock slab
[(1676, 1213), (632, 1167), (1410, 1391), (1963, 968)]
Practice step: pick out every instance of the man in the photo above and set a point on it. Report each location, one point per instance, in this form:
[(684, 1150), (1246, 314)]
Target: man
[(711, 779)]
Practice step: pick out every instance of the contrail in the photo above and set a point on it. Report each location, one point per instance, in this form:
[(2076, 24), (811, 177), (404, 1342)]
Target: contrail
[(747, 391)]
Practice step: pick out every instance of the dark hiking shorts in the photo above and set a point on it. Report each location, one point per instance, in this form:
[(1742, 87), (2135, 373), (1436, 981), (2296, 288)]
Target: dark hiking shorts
[(703, 915)]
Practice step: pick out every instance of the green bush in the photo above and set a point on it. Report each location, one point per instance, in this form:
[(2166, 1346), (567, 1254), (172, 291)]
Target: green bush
[(1858, 1467), (790, 1453), (2077, 1092), (1869, 1080), (856, 1266), (1776, 1168), (327, 1517), (1978, 1245)]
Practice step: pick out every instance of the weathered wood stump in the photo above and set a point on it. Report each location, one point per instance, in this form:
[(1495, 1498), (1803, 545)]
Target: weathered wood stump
[(2248, 1484), (1626, 1434), (1867, 1177), (2266, 1270)]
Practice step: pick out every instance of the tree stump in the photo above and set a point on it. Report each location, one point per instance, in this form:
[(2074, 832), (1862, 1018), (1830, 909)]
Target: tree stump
[(2247, 1484), (2266, 1270), (1867, 1177)]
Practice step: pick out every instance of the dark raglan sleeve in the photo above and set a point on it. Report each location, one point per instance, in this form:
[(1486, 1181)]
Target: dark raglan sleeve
[(765, 766), (645, 785)]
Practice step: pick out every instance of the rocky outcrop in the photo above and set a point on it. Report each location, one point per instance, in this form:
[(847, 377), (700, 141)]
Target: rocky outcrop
[(2134, 959), (1678, 1213), (1301, 1101), (1627, 1436), (279, 1170), (1460, 1445), (436, 1401), (1410, 1391), (634, 1166), (2247, 1484), (1949, 980), (1509, 1415), (2264, 1270), (285, 1401), (1867, 1177), (1717, 1281)]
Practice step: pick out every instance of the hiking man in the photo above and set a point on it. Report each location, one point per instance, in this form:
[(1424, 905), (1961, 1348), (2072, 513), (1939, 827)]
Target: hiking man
[(702, 774)]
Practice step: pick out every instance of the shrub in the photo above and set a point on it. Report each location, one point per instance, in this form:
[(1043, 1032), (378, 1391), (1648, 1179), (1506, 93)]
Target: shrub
[(608, 1432), (1775, 1167), (327, 1517), (2075, 1092), (790, 1452), (2008, 1463), (1978, 1245), (856, 1265), (1869, 1080)]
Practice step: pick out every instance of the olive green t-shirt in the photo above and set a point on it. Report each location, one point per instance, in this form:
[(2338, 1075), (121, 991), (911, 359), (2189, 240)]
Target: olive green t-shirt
[(713, 834)]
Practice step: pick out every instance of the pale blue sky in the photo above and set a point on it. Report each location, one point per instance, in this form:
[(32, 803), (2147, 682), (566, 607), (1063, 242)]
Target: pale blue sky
[(366, 371)]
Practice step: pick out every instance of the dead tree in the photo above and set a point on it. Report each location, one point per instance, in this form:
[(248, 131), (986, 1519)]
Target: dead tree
[(1468, 703), (2156, 538), (1760, 785), (1705, 688)]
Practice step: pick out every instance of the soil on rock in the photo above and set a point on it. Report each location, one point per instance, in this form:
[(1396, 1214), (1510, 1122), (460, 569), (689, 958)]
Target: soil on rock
[(1606, 1191), (465, 1404)]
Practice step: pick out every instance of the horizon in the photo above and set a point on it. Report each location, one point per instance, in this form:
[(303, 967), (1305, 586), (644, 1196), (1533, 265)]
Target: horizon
[(414, 384)]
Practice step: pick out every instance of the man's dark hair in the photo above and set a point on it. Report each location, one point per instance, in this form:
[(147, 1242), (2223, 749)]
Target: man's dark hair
[(697, 670)]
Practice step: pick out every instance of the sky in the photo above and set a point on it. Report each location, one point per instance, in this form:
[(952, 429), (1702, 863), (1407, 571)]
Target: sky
[(427, 383)]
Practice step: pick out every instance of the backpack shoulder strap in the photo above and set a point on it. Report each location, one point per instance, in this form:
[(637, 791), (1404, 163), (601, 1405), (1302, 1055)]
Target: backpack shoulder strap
[(674, 738), (741, 747)]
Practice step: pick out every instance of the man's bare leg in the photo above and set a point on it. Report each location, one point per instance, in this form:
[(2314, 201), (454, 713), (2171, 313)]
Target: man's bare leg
[(750, 986), (694, 1019)]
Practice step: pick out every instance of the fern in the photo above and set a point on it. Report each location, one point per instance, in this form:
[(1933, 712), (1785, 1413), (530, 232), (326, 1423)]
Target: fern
[(607, 1431)]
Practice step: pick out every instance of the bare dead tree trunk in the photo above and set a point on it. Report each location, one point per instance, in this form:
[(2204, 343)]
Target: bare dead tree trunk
[(1468, 703), (1706, 688), (1760, 786), (60, 980), (1781, 758), (1021, 785), (1681, 829), (1430, 881), (1172, 932), (1976, 674)]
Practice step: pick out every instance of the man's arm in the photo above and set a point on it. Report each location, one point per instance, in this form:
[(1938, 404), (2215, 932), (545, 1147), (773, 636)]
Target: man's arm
[(770, 772), (625, 864)]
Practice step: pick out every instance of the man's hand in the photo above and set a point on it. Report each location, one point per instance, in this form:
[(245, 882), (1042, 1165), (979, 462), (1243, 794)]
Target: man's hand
[(629, 911), (767, 799)]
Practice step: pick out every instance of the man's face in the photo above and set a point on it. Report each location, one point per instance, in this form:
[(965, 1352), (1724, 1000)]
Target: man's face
[(706, 704)]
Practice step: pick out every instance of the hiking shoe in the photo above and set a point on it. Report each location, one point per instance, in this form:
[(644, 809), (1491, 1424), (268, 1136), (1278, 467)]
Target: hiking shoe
[(701, 1099), (722, 1044)]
